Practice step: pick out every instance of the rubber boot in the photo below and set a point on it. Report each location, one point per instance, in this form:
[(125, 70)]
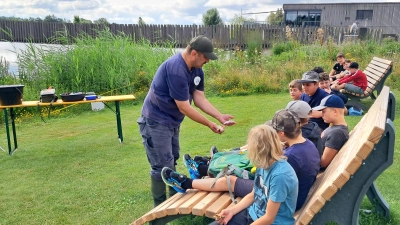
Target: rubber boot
[(158, 190)]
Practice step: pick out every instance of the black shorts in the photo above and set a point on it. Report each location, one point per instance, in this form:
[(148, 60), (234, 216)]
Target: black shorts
[(243, 187)]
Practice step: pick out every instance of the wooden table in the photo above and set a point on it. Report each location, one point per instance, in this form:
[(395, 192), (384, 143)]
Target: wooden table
[(116, 99)]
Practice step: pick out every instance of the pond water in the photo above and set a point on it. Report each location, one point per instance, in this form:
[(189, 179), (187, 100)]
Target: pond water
[(9, 52)]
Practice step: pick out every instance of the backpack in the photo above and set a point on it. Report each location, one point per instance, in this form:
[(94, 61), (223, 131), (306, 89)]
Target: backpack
[(234, 162)]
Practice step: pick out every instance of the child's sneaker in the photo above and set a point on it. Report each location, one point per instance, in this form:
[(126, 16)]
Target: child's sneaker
[(173, 179), (213, 150), (192, 166)]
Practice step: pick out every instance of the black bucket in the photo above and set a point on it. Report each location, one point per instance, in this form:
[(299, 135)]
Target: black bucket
[(11, 94)]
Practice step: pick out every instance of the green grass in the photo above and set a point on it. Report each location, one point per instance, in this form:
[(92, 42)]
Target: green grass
[(72, 170)]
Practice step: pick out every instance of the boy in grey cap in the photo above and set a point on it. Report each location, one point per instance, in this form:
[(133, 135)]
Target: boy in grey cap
[(309, 129), (313, 95)]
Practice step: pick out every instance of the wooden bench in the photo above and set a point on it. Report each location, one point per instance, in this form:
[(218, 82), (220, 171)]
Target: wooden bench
[(377, 72), (337, 193)]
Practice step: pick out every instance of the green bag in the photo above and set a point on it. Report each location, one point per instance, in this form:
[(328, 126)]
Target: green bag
[(233, 162)]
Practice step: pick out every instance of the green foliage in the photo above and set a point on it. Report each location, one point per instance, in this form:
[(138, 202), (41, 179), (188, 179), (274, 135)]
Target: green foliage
[(101, 21), (280, 48), (212, 17), (48, 18), (141, 22), (53, 19), (108, 64), (78, 19), (240, 20), (276, 18), (253, 39)]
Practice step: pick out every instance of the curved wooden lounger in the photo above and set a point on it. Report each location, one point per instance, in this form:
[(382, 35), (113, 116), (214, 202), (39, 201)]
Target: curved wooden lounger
[(199, 203), (377, 71)]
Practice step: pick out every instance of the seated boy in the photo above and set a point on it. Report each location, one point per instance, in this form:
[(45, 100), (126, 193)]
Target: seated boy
[(302, 155), (335, 136), (346, 65), (295, 89), (338, 67), (324, 83), (355, 82)]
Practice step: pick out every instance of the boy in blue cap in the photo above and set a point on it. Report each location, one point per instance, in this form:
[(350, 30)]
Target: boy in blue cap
[(336, 135)]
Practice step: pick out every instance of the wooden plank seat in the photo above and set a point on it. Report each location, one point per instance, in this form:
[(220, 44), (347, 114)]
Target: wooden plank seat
[(337, 193), (377, 72), (199, 203)]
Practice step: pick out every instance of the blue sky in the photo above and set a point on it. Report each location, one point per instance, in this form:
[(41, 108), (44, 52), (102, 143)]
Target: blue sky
[(185, 12)]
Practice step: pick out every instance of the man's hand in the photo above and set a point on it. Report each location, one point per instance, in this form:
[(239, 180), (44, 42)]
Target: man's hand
[(216, 128), (226, 117)]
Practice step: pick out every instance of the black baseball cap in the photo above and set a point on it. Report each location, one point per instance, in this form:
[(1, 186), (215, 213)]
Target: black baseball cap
[(204, 45), (353, 65)]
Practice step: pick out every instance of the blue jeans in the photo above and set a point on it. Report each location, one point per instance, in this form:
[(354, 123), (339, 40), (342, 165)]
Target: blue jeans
[(161, 144), (353, 88)]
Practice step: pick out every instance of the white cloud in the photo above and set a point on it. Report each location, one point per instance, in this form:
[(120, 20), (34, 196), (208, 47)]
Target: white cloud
[(152, 11)]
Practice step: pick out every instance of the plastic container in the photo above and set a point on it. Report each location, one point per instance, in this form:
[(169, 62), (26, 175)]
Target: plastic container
[(72, 97), (11, 94), (90, 97)]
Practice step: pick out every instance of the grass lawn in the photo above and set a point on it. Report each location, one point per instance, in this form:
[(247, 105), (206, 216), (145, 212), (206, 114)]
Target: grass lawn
[(72, 169)]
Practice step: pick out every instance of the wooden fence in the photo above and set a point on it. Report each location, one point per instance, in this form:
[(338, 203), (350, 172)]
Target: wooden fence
[(224, 36)]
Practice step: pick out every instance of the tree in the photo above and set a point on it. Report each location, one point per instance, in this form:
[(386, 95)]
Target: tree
[(141, 21), (211, 17), (275, 18), (240, 20), (52, 18), (78, 19), (101, 21)]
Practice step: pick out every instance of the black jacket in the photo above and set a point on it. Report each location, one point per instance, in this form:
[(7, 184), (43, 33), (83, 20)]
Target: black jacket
[(312, 132)]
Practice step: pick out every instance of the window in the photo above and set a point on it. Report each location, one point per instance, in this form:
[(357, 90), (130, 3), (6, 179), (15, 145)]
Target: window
[(303, 18), (364, 14)]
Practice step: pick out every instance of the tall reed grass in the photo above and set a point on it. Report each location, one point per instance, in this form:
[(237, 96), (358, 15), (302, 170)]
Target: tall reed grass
[(108, 64)]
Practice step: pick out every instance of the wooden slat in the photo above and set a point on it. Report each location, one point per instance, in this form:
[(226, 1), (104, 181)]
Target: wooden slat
[(382, 65), (162, 211), (220, 204), (377, 68), (150, 215), (383, 60), (372, 76), (186, 207), (200, 208), (173, 209)]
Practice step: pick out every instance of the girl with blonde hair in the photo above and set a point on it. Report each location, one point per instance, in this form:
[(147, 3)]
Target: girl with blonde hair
[(273, 199)]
